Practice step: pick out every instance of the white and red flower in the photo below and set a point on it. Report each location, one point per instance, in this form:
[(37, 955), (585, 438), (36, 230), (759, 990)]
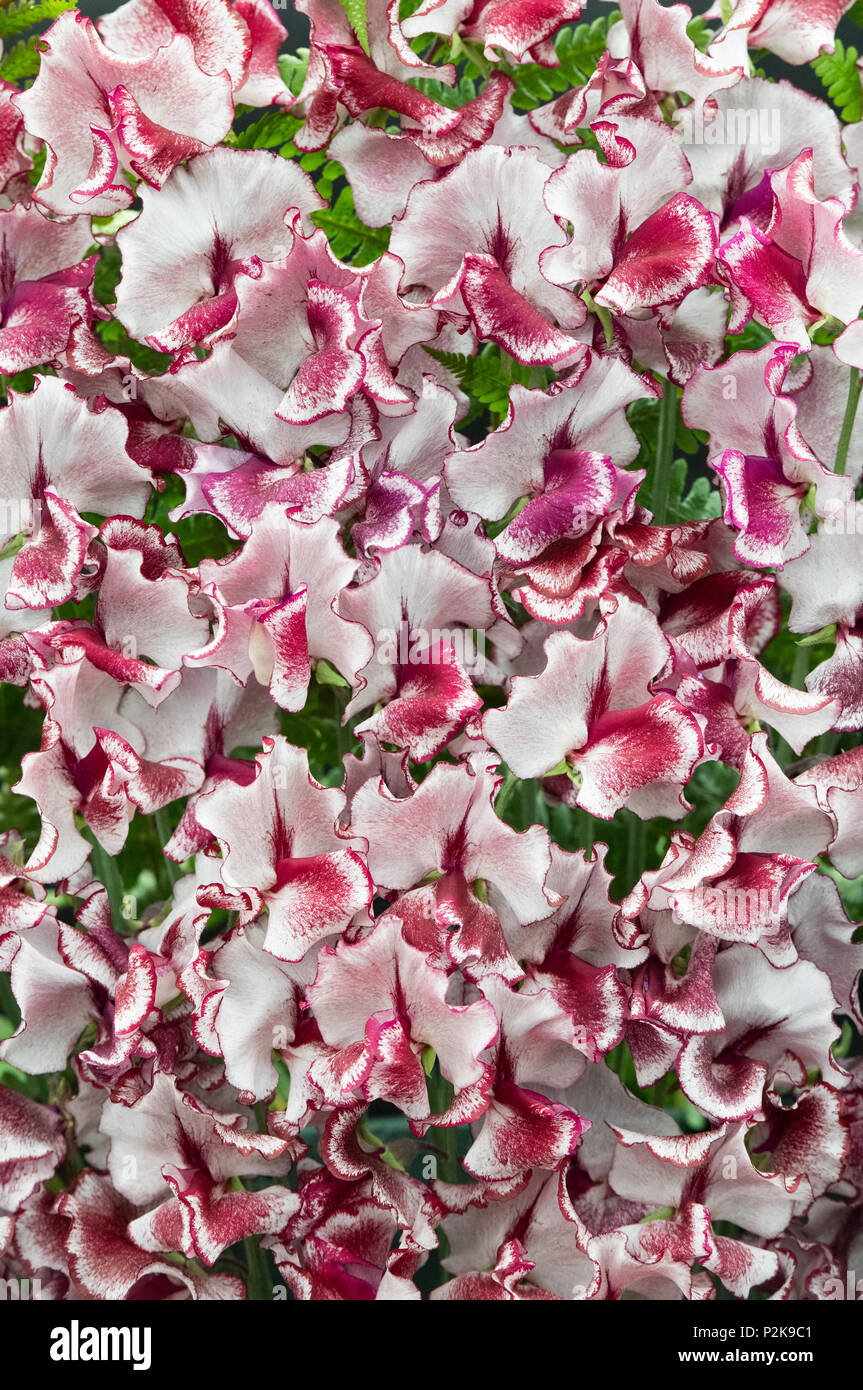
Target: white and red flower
[(369, 611)]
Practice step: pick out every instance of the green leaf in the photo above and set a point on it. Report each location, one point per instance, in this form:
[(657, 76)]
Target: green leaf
[(814, 639), (855, 14), (108, 268), (487, 383), (578, 48), (690, 441), (452, 97), (487, 377), (753, 336), (326, 674), (39, 158), (480, 377), (146, 359), (106, 871), (110, 226), (700, 32), (350, 239), (22, 60), (15, 19), (698, 504), (293, 68), (356, 13), (274, 128), (840, 75)]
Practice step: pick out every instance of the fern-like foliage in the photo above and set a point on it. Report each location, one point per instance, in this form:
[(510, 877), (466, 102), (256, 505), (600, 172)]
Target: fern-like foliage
[(485, 378), (18, 17), (579, 49), (350, 239), (464, 91), (22, 60), (325, 171), (356, 13), (841, 76)]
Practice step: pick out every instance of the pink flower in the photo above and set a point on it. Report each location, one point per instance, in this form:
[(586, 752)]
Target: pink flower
[(159, 297), (379, 1003), (467, 244), (101, 116), (283, 851), (591, 708), (66, 460)]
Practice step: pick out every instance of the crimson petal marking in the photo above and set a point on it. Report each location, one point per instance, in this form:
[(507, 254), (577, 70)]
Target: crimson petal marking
[(46, 568), (668, 255), (313, 898), (500, 313)]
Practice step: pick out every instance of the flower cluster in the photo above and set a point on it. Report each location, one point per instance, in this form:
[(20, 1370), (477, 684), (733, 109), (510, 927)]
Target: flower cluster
[(432, 652)]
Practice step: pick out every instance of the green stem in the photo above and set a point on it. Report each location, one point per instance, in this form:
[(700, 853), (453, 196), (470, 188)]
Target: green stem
[(635, 865), (445, 1137), (800, 668), (344, 738), (510, 781), (603, 314), (164, 832), (664, 453), (259, 1287), (473, 55), (848, 422), (586, 830), (108, 874)]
